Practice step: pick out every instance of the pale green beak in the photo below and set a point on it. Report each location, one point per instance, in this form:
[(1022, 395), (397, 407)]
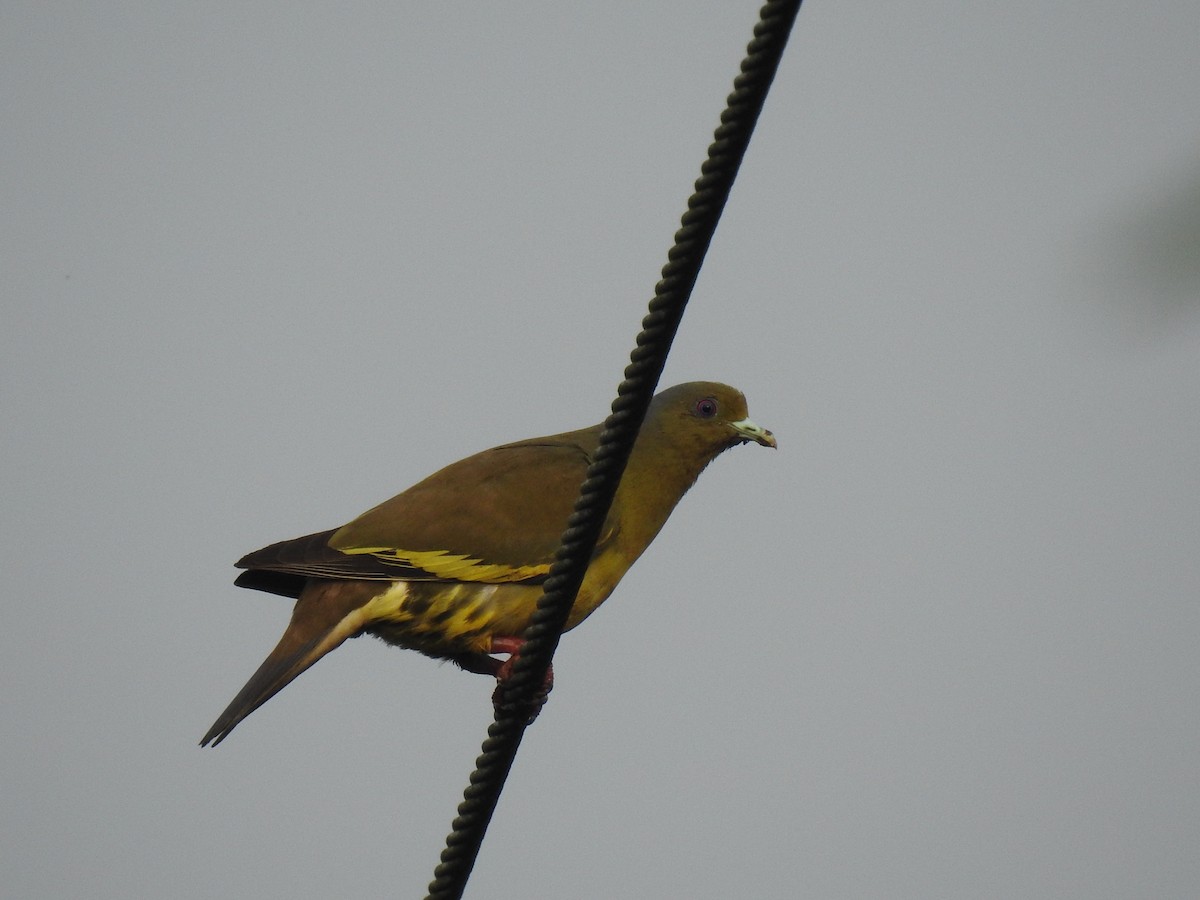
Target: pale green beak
[(749, 431)]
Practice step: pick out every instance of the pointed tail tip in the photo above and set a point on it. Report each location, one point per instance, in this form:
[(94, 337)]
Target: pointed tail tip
[(225, 723), (215, 735)]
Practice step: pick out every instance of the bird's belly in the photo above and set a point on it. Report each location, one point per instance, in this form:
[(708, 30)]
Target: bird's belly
[(446, 618)]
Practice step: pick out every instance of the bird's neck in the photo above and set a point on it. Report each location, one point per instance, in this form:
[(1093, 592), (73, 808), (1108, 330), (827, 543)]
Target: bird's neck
[(656, 478)]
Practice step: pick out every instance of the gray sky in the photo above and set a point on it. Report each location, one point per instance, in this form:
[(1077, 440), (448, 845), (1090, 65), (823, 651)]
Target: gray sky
[(264, 266)]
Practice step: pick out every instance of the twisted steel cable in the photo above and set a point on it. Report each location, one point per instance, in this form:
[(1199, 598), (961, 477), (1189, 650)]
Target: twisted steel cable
[(634, 394)]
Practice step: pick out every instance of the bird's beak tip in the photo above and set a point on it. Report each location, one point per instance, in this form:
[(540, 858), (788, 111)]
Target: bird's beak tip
[(749, 431)]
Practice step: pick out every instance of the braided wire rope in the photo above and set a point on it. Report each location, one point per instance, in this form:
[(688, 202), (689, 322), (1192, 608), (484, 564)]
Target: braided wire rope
[(671, 294)]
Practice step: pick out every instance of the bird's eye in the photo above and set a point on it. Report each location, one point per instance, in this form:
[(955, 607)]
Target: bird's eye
[(706, 408)]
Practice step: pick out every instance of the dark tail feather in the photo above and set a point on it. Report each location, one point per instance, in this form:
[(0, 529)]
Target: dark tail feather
[(327, 613)]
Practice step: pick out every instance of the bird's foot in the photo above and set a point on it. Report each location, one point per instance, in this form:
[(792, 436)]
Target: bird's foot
[(512, 646)]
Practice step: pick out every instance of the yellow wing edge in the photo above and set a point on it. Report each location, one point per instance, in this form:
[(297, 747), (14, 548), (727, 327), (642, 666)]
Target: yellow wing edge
[(457, 566)]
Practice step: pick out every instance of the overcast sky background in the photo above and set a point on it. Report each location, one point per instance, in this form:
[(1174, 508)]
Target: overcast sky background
[(266, 265)]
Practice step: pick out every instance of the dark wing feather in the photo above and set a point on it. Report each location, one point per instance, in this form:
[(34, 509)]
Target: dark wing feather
[(284, 567)]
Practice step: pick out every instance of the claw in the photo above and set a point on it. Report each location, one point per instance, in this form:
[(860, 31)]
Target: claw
[(512, 646)]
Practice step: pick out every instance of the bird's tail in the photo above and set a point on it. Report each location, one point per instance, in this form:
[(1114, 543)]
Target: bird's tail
[(327, 613)]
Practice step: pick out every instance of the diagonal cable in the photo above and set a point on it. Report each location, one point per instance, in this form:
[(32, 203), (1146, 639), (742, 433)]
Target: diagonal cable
[(647, 360)]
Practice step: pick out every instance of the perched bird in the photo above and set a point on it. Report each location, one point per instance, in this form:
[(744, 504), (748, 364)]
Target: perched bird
[(453, 567)]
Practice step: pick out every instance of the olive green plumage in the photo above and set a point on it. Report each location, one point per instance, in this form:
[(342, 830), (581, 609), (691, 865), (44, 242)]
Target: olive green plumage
[(453, 566)]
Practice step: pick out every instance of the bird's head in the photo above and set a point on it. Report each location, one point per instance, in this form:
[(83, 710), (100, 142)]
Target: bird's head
[(701, 419)]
